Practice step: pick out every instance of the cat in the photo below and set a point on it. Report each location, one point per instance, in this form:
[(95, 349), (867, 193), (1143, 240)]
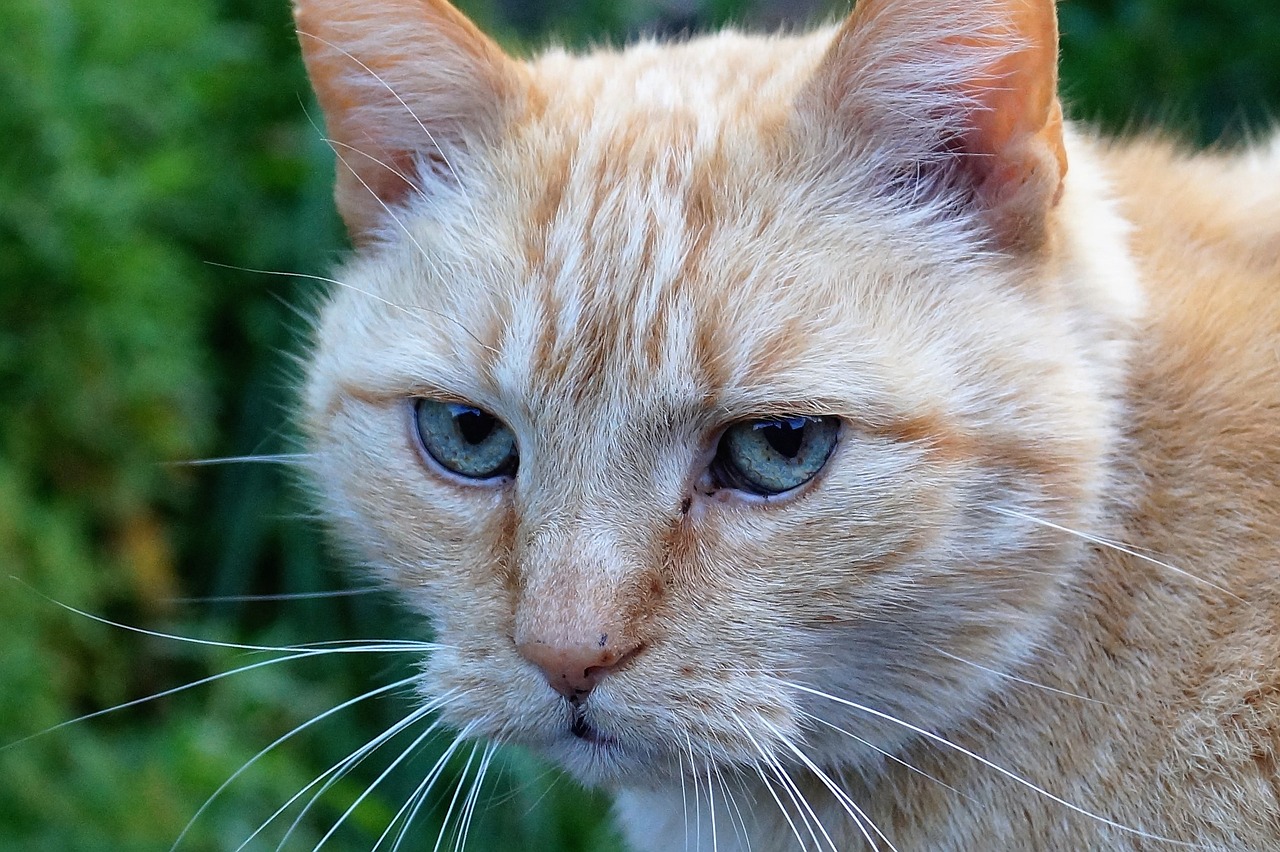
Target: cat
[(813, 439)]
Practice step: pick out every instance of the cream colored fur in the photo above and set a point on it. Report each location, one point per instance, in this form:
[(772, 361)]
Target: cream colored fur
[(1046, 545)]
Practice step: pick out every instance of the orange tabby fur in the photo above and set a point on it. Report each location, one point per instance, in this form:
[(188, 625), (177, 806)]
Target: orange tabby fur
[(1046, 544)]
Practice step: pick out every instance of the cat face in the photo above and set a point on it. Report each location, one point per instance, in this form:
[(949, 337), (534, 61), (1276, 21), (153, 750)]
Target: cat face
[(624, 269)]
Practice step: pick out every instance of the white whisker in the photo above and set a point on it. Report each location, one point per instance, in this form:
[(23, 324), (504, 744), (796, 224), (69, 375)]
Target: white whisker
[(423, 791), (383, 644), (340, 768), (551, 773), (1016, 679), (885, 754), (376, 197), (173, 691), (453, 801), (684, 796), (296, 730), (404, 755), (408, 181), (321, 278), (697, 801), (394, 94), (711, 807), (271, 458), (473, 797), (943, 741), (804, 808), (764, 778), (290, 596), (740, 826), (857, 814), (1102, 542)]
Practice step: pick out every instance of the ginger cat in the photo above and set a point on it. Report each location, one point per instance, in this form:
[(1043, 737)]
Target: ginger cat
[(813, 439)]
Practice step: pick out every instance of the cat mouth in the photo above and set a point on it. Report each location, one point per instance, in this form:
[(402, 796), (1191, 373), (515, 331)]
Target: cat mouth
[(583, 730)]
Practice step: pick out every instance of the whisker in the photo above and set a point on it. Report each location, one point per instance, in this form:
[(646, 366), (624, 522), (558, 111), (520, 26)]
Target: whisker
[(771, 764), (888, 755), (857, 814), (424, 790), (271, 458), (684, 796), (697, 801), (711, 806), (804, 808), (396, 644), (739, 827), (165, 693), (291, 596), (404, 817), (321, 278), (1016, 679), (444, 158), (421, 251), (297, 730), (1116, 546), (943, 741), (782, 808), (394, 94), (552, 773), (404, 754), (342, 767), (466, 812), (474, 796), (385, 207), (408, 181), (453, 801), (291, 653)]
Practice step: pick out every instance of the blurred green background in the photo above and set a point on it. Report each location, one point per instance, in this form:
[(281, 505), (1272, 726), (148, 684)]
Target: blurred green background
[(149, 152)]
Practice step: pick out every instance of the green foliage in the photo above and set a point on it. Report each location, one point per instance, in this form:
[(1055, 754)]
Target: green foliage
[(151, 151), (1210, 68)]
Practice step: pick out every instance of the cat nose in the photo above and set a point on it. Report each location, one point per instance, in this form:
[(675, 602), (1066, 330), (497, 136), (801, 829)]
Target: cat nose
[(574, 669)]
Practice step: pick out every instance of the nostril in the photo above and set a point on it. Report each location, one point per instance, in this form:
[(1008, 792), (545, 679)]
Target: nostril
[(612, 663)]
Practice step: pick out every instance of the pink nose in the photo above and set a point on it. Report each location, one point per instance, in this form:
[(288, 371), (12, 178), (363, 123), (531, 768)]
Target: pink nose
[(573, 670)]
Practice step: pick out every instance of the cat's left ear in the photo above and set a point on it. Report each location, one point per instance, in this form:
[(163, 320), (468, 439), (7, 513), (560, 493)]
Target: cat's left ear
[(407, 86), (963, 87)]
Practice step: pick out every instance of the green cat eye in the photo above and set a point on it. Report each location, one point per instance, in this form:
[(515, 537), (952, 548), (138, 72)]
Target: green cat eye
[(773, 455), (465, 440)]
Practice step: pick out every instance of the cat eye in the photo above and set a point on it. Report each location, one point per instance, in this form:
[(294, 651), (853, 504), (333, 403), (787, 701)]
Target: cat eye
[(465, 440), (773, 455)]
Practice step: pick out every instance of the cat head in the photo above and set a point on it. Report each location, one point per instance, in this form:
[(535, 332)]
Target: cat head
[(679, 384)]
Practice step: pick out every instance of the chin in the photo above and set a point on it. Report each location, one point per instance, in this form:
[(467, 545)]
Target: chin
[(603, 754)]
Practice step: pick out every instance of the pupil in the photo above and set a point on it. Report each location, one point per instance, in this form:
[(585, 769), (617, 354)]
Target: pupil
[(474, 426), (785, 437)]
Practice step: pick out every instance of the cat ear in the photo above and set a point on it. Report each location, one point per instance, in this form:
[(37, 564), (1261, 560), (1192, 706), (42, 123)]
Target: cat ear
[(968, 87), (405, 86)]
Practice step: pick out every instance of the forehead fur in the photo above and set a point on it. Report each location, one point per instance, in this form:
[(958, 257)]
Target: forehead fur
[(664, 224)]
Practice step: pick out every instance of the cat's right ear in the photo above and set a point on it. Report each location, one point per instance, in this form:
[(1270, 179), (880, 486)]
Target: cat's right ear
[(406, 86)]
